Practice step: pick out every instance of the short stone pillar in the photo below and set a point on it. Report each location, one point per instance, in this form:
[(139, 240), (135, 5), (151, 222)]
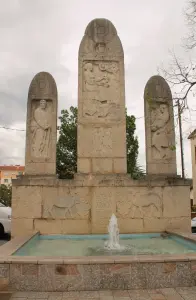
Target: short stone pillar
[(159, 127), (41, 128), (101, 101)]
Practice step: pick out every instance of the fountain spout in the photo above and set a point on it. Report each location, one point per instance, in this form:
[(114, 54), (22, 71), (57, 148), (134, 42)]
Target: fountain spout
[(113, 230)]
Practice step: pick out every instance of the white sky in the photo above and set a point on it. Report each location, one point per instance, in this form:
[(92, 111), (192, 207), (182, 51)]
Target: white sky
[(44, 35)]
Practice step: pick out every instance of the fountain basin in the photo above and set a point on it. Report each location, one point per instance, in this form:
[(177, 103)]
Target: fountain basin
[(93, 245), (45, 272)]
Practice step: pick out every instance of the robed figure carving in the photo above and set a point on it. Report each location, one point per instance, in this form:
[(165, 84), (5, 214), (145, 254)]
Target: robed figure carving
[(41, 134), (41, 130)]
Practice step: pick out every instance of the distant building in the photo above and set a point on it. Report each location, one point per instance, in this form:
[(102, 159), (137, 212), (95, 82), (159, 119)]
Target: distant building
[(7, 173)]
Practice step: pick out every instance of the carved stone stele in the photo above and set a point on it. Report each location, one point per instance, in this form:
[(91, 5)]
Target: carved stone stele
[(41, 129), (159, 127), (101, 101)]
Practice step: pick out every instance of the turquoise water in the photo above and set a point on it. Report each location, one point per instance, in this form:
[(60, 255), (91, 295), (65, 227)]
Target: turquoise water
[(93, 245)]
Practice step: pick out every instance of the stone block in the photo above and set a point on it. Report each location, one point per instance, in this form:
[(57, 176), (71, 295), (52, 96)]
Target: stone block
[(155, 224), (176, 201), (94, 142), (23, 281), (130, 225), (114, 276), (84, 165), (4, 284), (134, 202), (76, 227), (27, 202), (37, 168), (184, 274), (157, 277), (21, 227), (120, 165), (4, 271), (48, 226), (183, 224), (102, 165), (66, 203), (119, 141), (103, 206)]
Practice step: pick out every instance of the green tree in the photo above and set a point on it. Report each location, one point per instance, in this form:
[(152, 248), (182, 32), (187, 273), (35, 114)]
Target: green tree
[(67, 146), (5, 195)]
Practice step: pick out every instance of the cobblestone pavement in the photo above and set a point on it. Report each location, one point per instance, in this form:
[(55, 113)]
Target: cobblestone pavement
[(160, 294)]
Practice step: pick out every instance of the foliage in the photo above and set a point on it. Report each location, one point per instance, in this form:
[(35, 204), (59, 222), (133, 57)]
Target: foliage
[(193, 208), (67, 146), (5, 195), (132, 149)]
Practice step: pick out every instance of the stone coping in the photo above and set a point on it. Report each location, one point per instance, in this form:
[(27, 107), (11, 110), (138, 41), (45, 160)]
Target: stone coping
[(12, 246), (111, 180)]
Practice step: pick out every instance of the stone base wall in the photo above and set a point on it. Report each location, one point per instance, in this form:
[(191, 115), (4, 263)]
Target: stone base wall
[(73, 277), (85, 204)]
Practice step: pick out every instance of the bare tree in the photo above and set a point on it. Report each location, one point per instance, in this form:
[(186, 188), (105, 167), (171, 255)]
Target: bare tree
[(182, 79), (190, 17), (181, 74)]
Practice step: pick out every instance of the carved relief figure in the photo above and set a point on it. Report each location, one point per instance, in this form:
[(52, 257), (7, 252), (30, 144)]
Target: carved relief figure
[(160, 139), (101, 88), (67, 208), (41, 130), (100, 48), (139, 205), (89, 77)]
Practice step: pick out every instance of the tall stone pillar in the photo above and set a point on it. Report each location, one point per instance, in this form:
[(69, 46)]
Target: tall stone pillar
[(159, 127), (101, 101), (41, 128)]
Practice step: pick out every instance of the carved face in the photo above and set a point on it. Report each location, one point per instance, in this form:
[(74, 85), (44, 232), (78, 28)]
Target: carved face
[(114, 67), (163, 108), (100, 47), (88, 67), (43, 103)]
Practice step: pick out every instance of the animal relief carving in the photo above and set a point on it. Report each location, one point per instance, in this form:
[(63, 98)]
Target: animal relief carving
[(67, 208), (140, 205)]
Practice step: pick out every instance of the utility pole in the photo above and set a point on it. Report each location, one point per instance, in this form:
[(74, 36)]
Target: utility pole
[(181, 139)]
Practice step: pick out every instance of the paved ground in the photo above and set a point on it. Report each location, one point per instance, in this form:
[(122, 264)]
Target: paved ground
[(161, 294)]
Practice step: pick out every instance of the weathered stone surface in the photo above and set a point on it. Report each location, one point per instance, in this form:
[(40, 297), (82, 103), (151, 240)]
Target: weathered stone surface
[(130, 225), (103, 206), (175, 202), (27, 202), (159, 123), (101, 101), (138, 203), (48, 226), (66, 203), (21, 227), (41, 134), (76, 227)]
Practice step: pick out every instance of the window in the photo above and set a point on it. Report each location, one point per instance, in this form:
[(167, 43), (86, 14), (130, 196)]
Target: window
[(5, 180)]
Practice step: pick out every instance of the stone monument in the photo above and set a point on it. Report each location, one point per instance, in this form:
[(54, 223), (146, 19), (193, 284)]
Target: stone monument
[(41, 133), (101, 101), (159, 125), (101, 187)]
